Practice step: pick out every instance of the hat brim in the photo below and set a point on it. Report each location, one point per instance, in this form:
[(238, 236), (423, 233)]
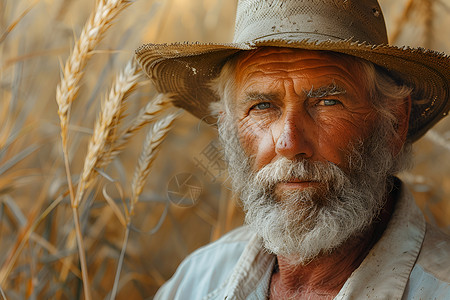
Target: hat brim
[(184, 70)]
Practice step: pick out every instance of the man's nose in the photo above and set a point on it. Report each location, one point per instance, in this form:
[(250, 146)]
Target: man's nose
[(294, 139)]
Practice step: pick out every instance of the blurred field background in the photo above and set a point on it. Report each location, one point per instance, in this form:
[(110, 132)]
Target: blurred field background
[(39, 258)]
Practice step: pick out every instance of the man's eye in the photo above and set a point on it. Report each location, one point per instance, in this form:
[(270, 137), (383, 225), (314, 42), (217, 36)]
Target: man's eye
[(328, 102), (262, 106)]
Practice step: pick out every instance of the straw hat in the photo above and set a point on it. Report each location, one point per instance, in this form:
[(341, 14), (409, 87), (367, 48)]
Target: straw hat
[(354, 27)]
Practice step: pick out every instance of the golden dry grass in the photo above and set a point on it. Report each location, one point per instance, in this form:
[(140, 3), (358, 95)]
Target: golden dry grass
[(55, 69)]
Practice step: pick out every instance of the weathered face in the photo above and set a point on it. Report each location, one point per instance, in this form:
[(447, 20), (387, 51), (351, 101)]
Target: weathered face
[(307, 153), (300, 104)]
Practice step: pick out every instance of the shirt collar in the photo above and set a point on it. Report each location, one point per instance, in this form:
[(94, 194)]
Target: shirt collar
[(383, 274), (385, 271)]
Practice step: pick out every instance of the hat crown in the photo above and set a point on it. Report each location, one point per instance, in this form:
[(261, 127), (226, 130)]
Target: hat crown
[(316, 20)]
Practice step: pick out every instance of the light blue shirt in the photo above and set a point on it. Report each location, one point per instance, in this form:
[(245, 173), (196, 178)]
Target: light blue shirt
[(410, 261)]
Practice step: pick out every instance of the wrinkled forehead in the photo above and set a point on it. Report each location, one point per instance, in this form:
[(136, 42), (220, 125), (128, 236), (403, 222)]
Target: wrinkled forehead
[(268, 60), (245, 58)]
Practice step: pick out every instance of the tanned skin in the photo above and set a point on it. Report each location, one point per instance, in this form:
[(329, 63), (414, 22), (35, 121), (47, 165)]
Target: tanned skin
[(276, 117)]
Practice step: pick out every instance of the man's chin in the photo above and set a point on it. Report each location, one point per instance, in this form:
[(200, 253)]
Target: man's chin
[(302, 198)]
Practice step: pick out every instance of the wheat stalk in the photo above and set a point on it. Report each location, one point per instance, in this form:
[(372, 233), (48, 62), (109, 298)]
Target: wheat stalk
[(104, 132), (106, 124), (124, 85), (407, 11), (27, 231), (16, 21), (67, 90), (428, 9), (90, 37), (146, 115), (153, 140)]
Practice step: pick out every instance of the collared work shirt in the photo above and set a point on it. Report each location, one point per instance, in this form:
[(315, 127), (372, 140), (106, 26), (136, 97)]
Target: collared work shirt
[(410, 261)]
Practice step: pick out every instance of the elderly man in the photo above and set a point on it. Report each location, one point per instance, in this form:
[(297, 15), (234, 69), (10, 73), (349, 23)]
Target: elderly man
[(316, 114)]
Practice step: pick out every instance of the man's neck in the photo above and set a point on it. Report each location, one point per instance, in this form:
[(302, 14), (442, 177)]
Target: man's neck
[(324, 276)]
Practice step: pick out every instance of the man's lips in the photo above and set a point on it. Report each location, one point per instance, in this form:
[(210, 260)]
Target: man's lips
[(297, 184)]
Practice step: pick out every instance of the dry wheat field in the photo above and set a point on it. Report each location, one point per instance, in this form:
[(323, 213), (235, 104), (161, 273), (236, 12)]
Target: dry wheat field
[(104, 185)]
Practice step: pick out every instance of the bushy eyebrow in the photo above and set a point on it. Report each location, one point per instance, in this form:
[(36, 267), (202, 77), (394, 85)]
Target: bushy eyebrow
[(325, 91), (321, 92), (260, 96)]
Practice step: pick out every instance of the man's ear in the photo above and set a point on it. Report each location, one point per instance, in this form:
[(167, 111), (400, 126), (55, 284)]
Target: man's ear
[(402, 113)]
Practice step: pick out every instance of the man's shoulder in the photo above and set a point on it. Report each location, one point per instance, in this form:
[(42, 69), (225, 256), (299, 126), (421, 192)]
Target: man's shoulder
[(434, 256), (430, 277), (208, 268), (233, 241), (227, 249), (240, 234)]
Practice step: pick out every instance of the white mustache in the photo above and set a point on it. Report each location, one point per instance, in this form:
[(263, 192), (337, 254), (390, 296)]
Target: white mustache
[(285, 170)]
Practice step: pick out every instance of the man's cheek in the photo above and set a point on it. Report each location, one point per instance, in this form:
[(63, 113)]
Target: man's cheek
[(258, 144), (250, 135), (265, 151)]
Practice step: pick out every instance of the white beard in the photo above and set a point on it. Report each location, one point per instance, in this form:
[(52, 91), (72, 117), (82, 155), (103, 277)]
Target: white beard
[(302, 224)]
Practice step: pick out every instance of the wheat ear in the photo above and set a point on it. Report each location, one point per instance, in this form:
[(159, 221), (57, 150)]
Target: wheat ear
[(104, 132), (106, 124), (72, 73), (153, 140), (111, 114), (147, 114), (66, 91)]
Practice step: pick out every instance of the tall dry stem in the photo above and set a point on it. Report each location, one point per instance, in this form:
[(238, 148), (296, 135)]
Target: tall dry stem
[(67, 89), (90, 37), (153, 140), (104, 132), (147, 114), (24, 236), (105, 128), (16, 21), (407, 11), (7, 124), (429, 17)]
